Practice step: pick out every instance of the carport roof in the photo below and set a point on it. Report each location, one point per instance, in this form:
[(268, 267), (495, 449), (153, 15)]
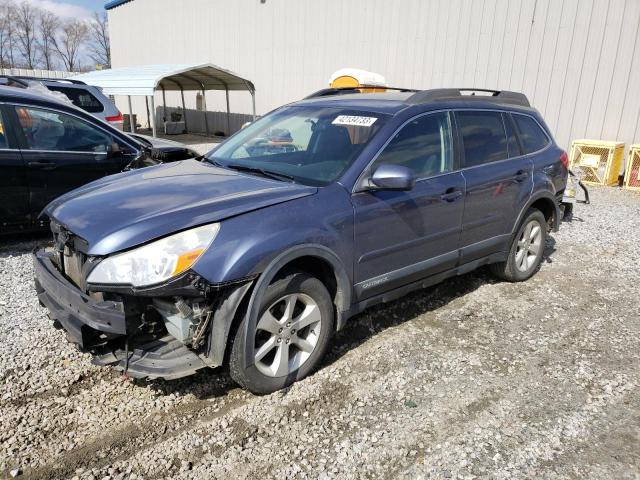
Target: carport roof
[(145, 79), (115, 3)]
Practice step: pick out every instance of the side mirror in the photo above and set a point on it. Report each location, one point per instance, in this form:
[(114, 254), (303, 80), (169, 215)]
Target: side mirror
[(245, 125), (393, 177)]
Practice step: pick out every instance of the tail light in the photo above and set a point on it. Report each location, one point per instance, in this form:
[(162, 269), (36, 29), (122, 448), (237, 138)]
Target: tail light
[(564, 159), (114, 118)]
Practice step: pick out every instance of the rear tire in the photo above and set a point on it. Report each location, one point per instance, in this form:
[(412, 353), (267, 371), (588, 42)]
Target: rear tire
[(295, 323), (527, 247)]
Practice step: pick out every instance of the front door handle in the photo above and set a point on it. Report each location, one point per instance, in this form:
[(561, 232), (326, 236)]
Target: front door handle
[(451, 195), (521, 176), (42, 165)]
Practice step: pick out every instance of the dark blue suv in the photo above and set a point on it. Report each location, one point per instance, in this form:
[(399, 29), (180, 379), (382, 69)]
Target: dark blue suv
[(257, 253)]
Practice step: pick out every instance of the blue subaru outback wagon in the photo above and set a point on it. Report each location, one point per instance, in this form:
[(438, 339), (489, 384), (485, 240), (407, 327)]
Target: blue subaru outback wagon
[(254, 255)]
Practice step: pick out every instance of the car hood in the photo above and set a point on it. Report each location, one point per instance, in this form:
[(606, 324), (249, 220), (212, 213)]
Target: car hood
[(157, 142), (131, 208), (165, 150)]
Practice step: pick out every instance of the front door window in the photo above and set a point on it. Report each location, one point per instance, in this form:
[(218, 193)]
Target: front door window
[(56, 131), (423, 145)]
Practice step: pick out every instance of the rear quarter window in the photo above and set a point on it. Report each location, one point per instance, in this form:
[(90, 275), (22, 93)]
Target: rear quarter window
[(80, 98), (531, 134)]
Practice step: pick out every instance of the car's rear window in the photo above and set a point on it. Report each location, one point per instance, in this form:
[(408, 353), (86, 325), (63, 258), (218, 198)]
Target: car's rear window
[(531, 135), (80, 98)]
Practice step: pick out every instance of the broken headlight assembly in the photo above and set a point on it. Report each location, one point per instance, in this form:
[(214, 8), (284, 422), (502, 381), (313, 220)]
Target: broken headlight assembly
[(157, 261)]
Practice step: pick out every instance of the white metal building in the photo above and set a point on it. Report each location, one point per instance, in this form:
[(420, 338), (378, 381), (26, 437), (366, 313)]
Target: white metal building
[(578, 61)]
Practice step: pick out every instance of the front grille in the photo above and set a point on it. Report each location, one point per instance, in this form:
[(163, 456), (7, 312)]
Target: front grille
[(70, 260), (73, 263)]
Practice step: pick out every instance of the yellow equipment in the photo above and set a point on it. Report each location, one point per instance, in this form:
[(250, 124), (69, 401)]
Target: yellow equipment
[(356, 78), (632, 171), (599, 160)]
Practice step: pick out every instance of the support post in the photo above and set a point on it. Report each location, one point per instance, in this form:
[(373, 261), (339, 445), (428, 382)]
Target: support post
[(153, 117), (146, 103), (132, 123), (206, 120), (184, 110), (164, 105), (253, 104), (226, 90)]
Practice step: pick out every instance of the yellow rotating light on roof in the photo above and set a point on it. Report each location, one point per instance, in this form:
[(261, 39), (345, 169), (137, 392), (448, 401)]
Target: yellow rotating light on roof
[(369, 82), (157, 261), (345, 81)]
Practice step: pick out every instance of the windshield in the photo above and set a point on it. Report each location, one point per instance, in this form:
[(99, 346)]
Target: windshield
[(306, 144)]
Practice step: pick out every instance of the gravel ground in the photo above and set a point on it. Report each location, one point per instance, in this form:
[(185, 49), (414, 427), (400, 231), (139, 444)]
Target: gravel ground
[(472, 378)]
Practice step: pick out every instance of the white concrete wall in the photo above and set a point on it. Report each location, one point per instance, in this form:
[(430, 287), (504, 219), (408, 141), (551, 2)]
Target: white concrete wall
[(578, 61)]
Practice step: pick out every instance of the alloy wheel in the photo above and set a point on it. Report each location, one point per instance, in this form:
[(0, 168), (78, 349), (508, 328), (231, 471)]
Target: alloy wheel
[(529, 246), (287, 334)]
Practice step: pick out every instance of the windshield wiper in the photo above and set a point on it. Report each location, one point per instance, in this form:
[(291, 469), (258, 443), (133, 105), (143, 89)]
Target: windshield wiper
[(261, 171), (210, 160)]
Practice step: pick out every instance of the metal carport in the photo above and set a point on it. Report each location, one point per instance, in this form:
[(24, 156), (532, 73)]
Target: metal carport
[(145, 80)]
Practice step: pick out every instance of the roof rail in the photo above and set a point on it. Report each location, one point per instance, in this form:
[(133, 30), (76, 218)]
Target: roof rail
[(326, 92), (45, 79), (496, 96), (11, 81)]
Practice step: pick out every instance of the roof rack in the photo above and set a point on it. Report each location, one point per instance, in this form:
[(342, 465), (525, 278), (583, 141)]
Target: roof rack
[(44, 79), (10, 81), (326, 92), (496, 96)]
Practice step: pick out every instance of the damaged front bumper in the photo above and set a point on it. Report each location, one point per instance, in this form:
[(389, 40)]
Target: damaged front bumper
[(127, 331)]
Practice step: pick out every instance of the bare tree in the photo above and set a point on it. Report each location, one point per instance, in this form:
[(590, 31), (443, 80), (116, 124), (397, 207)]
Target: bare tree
[(69, 41), (100, 48), (25, 22), (48, 25), (7, 37)]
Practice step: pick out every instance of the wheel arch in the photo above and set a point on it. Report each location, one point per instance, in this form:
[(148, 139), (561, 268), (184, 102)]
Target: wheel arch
[(547, 204), (317, 260)]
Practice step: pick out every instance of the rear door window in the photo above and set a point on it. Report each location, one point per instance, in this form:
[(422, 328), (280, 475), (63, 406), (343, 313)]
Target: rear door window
[(532, 136), (512, 137), (483, 136), (3, 134), (80, 98)]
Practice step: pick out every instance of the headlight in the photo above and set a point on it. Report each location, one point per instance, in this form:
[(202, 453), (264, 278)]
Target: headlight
[(157, 261)]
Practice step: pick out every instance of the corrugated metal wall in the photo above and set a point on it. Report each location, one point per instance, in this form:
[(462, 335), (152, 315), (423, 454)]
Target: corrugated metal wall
[(577, 60)]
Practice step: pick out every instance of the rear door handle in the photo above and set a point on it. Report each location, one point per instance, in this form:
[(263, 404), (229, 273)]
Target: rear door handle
[(451, 195), (521, 176), (42, 165)]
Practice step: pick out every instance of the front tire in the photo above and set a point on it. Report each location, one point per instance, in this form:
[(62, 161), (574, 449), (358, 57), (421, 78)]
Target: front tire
[(527, 246), (292, 332)]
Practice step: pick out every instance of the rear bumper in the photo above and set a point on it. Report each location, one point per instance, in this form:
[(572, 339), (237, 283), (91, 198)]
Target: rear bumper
[(76, 312)]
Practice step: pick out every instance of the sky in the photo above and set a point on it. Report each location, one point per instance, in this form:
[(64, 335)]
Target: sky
[(71, 8)]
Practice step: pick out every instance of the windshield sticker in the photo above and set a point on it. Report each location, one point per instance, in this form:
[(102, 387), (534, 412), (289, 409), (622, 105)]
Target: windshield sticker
[(354, 120)]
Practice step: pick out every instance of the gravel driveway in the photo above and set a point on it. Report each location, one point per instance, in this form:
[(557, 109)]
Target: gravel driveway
[(472, 378)]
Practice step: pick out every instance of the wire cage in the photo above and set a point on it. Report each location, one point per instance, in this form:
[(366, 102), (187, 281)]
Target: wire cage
[(632, 170), (599, 160)]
